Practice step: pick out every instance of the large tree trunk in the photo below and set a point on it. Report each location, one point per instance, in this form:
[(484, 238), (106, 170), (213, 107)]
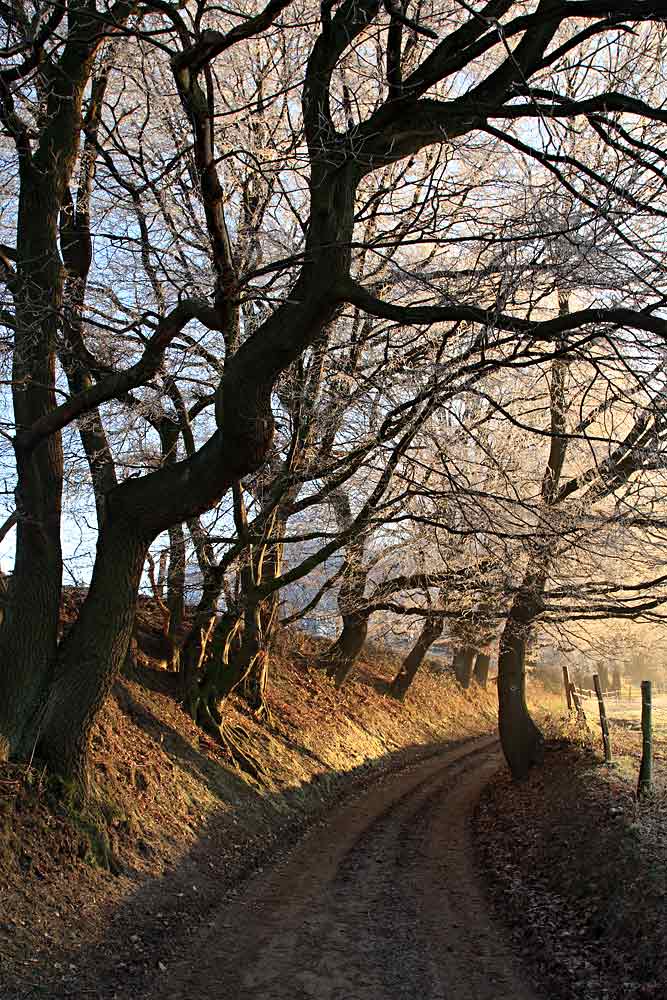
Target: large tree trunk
[(342, 654), (30, 628), (193, 650), (28, 640), (481, 671), (521, 739), (463, 663), (431, 631), (93, 652), (218, 674), (195, 646), (254, 661), (239, 648), (261, 620)]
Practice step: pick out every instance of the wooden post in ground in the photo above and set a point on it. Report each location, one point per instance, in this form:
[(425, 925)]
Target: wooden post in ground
[(567, 682), (576, 701), (646, 768), (604, 724)]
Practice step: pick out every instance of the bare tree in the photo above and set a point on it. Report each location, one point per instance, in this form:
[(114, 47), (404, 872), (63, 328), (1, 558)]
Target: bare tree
[(473, 89)]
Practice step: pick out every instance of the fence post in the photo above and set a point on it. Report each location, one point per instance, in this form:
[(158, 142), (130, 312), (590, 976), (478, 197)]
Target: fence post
[(646, 768), (567, 682), (576, 701), (604, 724)]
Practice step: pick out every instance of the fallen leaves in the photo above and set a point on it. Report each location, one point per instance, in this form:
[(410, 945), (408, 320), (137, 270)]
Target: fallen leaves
[(566, 856)]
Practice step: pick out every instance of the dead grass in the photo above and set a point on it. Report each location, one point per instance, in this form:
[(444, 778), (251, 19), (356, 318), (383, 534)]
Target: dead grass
[(165, 793)]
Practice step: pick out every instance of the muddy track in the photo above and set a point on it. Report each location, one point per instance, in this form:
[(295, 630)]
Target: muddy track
[(381, 903)]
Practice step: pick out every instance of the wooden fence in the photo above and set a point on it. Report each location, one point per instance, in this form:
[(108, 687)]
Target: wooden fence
[(576, 696)]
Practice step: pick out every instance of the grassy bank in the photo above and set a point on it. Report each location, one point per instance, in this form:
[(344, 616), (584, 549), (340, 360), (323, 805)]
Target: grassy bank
[(173, 820)]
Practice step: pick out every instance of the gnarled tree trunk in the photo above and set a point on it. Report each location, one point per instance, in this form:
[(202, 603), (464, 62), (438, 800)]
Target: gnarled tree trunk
[(93, 653), (29, 634), (194, 648), (521, 739), (431, 631), (260, 622), (343, 654), (481, 671), (219, 674)]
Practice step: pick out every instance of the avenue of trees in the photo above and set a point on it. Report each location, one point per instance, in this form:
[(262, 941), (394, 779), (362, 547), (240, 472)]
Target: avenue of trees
[(356, 305)]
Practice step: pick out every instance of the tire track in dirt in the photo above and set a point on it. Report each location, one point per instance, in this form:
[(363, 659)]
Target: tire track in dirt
[(380, 903)]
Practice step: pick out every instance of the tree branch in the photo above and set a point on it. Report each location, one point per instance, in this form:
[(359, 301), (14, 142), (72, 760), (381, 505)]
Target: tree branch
[(546, 330), (212, 43), (119, 383)]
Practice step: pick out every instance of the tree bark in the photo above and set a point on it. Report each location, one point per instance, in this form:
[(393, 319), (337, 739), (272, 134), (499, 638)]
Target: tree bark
[(261, 620), (194, 648), (520, 738), (481, 671), (93, 652), (240, 645), (341, 656), (30, 627), (463, 665), (431, 631), (220, 673), (344, 652), (28, 639)]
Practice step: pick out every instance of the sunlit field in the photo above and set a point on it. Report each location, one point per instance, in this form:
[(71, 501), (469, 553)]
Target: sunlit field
[(624, 715)]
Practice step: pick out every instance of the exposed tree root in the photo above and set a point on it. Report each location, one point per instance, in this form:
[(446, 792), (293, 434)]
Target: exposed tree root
[(237, 741), (234, 739), (262, 713)]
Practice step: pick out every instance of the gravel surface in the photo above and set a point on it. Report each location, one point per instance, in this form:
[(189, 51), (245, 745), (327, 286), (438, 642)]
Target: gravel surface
[(379, 903)]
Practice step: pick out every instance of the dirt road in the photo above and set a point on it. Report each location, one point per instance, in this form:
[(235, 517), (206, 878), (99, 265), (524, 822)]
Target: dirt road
[(381, 903)]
